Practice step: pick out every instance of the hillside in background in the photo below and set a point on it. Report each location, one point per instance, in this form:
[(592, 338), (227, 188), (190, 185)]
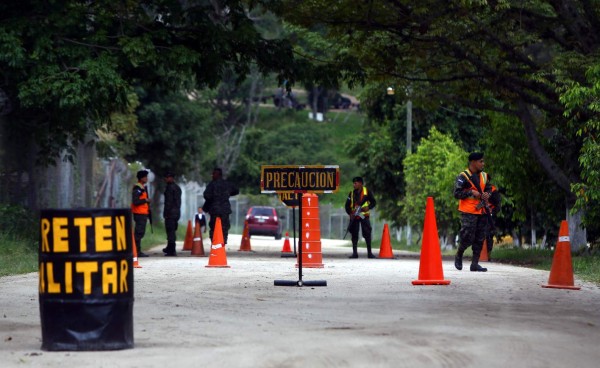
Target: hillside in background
[(289, 137)]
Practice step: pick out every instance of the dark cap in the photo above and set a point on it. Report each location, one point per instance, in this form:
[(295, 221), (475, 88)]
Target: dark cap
[(475, 156), (169, 174), (357, 179), (142, 174)]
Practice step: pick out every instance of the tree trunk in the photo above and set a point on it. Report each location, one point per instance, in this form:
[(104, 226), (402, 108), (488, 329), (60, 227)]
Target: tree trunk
[(554, 172), (314, 103), (533, 230), (577, 233), (516, 240)]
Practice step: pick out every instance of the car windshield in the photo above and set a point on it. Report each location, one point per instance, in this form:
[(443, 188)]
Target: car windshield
[(262, 212)]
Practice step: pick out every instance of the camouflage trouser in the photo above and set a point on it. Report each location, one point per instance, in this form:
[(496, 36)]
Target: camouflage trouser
[(473, 231), (171, 229), (139, 229), (365, 225)]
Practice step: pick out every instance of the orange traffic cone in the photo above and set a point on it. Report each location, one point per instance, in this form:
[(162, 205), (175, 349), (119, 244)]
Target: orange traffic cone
[(136, 264), (286, 244), (430, 268), (561, 273), (245, 246), (197, 242), (187, 242), (483, 256), (385, 249), (218, 257)]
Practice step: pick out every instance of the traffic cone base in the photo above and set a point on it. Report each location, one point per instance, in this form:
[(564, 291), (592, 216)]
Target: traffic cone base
[(218, 256), (385, 249), (430, 268), (431, 282), (562, 287), (561, 273)]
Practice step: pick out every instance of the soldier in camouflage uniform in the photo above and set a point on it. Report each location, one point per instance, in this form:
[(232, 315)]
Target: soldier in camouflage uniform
[(473, 190), (216, 201), (171, 213)]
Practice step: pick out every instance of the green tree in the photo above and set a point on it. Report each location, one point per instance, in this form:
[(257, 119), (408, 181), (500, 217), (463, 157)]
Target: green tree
[(171, 133), (234, 108), (431, 172), (512, 57), (66, 66), (531, 199), (381, 147), (578, 97)]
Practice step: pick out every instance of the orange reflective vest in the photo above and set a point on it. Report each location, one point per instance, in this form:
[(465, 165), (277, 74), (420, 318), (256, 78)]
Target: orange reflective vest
[(366, 204), (469, 205), (144, 208)]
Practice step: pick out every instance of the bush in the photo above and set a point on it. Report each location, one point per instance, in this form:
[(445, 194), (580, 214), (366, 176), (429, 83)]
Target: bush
[(17, 222)]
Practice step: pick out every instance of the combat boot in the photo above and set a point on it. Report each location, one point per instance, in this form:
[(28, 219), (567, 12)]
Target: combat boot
[(369, 252), (354, 251), (458, 261), (475, 267)]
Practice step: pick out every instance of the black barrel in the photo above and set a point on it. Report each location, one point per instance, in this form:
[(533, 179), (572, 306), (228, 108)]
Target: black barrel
[(86, 279)]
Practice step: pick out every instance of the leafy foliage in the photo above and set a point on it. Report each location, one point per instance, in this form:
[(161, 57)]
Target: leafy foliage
[(171, 130), (431, 172), (511, 57), (67, 66), (17, 221), (288, 138), (579, 98)]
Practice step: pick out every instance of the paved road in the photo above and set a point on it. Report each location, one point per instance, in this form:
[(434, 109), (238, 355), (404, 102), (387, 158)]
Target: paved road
[(368, 315)]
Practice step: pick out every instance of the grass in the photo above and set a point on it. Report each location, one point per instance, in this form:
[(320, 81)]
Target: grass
[(19, 254)]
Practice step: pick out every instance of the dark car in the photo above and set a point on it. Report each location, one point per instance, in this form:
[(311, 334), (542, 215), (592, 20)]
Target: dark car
[(263, 220)]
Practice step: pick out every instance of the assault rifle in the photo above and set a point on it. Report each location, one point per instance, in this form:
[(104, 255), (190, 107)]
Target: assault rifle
[(486, 208), (482, 203), (149, 212), (352, 218), (150, 220)]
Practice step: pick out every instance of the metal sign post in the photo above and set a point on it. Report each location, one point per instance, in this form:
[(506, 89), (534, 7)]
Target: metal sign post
[(300, 180)]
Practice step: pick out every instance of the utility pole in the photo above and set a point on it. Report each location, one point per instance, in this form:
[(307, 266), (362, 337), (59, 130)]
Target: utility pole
[(390, 92), (408, 152)]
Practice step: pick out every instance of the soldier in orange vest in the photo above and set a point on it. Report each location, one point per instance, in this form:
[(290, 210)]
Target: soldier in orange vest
[(140, 207), (472, 189)]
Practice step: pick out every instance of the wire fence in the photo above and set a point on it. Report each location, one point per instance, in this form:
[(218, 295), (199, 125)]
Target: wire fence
[(333, 220)]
